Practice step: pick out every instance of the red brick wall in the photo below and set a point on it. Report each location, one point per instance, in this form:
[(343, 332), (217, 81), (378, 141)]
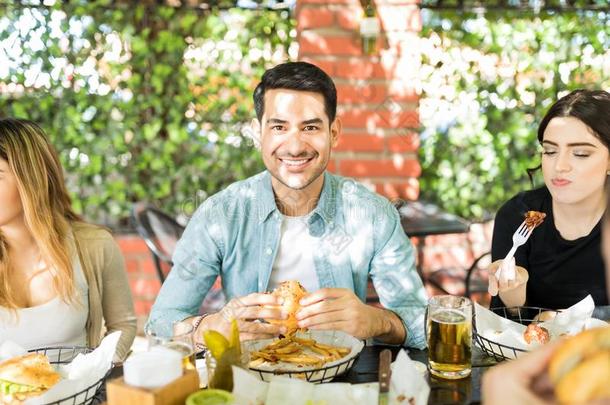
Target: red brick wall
[(142, 275), (377, 98)]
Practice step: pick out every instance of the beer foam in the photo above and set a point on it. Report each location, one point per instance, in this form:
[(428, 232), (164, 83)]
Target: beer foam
[(447, 315)]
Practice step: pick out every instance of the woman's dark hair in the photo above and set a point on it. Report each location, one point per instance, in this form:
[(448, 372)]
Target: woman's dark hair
[(301, 76), (591, 107)]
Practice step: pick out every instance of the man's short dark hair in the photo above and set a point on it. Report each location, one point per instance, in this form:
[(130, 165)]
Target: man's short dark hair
[(301, 76)]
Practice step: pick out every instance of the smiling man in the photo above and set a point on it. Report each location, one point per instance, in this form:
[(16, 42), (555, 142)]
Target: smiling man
[(296, 221)]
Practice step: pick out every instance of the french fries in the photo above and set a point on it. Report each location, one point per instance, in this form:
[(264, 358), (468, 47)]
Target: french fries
[(299, 351)]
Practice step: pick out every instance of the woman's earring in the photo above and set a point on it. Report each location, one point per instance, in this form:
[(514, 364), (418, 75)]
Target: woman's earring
[(608, 173)]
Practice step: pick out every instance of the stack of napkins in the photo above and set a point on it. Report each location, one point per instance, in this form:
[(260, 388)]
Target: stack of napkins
[(407, 382)]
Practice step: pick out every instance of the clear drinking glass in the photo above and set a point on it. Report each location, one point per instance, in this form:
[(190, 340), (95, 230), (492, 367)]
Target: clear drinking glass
[(179, 337), (220, 373), (449, 334)]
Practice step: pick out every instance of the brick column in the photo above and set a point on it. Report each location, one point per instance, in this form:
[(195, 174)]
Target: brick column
[(142, 275), (377, 98)]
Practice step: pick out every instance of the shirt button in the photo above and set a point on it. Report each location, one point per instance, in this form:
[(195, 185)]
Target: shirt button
[(268, 251)]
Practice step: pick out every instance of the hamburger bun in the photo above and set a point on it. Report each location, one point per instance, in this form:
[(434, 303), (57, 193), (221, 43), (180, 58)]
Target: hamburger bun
[(289, 294), (580, 367)]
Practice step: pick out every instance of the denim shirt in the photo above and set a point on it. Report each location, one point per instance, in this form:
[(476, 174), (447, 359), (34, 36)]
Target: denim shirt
[(235, 234)]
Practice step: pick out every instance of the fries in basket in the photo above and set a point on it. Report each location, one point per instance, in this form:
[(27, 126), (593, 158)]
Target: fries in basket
[(299, 351)]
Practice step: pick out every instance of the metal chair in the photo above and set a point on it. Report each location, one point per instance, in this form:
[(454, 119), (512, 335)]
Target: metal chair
[(161, 234), (477, 280)]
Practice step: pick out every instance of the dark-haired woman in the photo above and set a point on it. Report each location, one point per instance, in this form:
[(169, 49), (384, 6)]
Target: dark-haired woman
[(562, 257)]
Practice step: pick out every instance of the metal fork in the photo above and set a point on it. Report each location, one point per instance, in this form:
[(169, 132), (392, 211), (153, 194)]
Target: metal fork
[(520, 236)]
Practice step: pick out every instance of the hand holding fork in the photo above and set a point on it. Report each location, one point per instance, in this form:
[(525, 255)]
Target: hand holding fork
[(506, 270)]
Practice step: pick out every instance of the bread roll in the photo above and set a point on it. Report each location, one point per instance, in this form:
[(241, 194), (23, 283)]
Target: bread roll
[(536, 334), (580, 368)]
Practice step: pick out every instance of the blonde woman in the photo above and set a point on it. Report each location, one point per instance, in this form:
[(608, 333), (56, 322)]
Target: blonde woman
[(62, 281)]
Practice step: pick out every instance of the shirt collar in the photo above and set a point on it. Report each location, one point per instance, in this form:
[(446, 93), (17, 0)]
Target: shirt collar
[(327, 204), (267, 198), (326, 207)]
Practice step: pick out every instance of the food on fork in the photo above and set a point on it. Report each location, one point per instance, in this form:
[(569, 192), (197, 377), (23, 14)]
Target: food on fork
[(580, 367), (300, 351), (25, 376), (289, 293), (536, 334), (534, 218)]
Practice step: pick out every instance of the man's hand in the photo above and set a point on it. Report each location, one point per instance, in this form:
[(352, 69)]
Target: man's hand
[(248, 311), (340, 309)]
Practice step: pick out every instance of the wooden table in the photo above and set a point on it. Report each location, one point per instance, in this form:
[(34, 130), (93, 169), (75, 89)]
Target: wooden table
[(420, 220), (464, 391)]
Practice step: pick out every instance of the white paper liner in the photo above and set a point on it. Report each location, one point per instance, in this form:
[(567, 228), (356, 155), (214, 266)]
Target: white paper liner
[(84, 371)]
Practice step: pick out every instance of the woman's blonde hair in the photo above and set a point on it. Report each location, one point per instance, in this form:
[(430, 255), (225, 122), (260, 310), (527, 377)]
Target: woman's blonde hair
[(47, 207)]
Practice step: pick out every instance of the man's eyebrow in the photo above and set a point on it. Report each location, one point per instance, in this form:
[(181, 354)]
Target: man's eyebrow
[(276, 121), (312, 121), (571, 144)]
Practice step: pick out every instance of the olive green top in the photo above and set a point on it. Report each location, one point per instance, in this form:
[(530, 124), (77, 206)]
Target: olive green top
[(110, 302)]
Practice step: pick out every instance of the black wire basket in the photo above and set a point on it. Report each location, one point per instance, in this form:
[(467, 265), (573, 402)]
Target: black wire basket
[(64, 355), (499, 351), (313, 374), (316, 376)]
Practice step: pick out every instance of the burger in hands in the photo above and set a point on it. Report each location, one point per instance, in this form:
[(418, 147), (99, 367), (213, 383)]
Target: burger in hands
[(289, 293), (25, 376)]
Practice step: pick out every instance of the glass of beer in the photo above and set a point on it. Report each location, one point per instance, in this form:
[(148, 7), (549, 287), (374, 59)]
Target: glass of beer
[(449, 334), (178, 337)]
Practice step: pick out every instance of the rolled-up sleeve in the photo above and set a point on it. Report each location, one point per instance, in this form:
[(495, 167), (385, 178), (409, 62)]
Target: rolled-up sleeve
[(396, 280), (196, 265)]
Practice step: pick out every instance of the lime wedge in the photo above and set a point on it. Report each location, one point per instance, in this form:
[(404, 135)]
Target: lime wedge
[(210, 397), (235, 336)]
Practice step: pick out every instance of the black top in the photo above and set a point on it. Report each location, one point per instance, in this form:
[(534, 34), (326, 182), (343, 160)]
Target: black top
[(561, 272)]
